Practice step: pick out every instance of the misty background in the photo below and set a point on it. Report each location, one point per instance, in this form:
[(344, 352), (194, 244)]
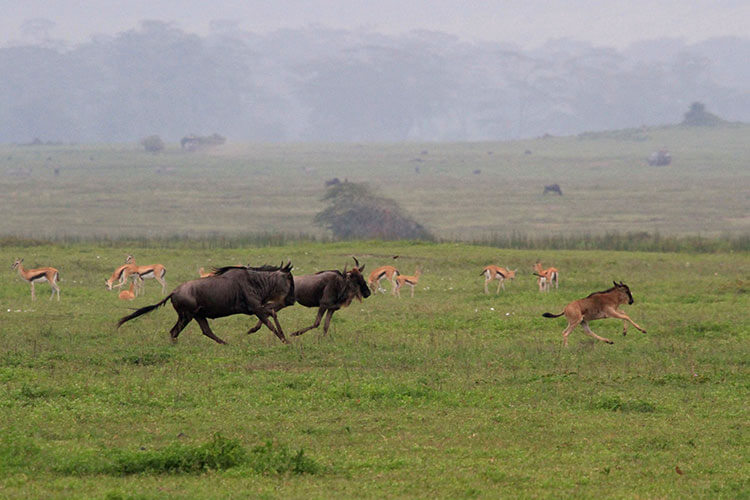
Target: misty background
[(361, 78)]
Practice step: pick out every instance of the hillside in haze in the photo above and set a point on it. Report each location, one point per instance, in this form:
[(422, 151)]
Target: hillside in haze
[(318, 84)]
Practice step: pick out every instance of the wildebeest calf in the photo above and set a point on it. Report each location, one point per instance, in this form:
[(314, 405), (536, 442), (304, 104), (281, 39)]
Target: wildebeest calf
[(598, 305), (259, 291)]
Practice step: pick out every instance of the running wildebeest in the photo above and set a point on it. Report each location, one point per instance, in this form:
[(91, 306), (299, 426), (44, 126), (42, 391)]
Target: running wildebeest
[(329, 291), (259, 291), (598, 305), (553, 188)]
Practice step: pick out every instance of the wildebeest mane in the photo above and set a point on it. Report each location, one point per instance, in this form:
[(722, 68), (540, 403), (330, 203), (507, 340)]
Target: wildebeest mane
[(331, 271), (264, 268), (603, 291)]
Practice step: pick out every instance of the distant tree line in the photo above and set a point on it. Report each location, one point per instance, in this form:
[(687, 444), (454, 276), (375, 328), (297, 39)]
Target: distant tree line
[(319, 84)]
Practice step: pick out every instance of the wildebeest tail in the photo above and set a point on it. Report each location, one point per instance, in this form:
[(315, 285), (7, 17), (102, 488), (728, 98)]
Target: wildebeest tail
[(142, 311), (550, 315)]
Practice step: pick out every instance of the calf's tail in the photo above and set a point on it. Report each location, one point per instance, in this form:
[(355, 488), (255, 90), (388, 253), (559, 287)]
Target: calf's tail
[(142, 311), (550, 315)]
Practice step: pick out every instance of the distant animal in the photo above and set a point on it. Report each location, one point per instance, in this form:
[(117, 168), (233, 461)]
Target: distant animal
[(128, 294), (477, 171), (38, 275), (155, 271), (383, 272), (493, 272), (412, 281), (598, 305), (545, 277), (259, 291), (333, 182), (659, 158), (553, 188), (527, 152)]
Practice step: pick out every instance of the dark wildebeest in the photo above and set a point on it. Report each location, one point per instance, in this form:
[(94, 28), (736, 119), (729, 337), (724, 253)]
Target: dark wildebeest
[(259, 291), (598, 305), (329, 291), (553, 188)]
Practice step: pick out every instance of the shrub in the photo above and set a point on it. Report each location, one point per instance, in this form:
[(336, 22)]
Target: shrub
[(152, 144)]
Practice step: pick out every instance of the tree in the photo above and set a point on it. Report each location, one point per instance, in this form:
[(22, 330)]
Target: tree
[(697, 116), (355, 212)]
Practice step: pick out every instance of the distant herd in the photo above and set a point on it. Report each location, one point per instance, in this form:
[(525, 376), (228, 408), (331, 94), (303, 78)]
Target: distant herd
[(263, 291)]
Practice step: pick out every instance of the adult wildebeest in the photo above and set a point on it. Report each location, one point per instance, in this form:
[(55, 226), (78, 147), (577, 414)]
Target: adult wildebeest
[(259, 291), (553, 188), (598, 305), (329, 291)]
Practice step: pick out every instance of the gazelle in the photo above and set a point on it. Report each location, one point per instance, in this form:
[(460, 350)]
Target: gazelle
[(121, 275), (128, 294), (383, 272), (546, 277), (492, 272), (39, 275), (402, 280), (205, 274), (156, 271), (598, 305)]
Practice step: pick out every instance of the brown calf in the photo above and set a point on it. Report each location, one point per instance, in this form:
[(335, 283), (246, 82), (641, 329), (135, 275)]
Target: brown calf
[(598, 305)]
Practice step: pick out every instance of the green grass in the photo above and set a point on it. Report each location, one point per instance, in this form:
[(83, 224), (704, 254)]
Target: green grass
[(113, 191), (451, 394)]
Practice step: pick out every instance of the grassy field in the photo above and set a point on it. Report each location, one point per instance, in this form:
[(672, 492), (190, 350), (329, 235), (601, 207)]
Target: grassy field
[(114, 191), (451, 394)]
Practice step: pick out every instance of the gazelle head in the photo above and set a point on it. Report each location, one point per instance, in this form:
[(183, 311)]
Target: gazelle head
[(129, 259), (16, 263), (511, 274)]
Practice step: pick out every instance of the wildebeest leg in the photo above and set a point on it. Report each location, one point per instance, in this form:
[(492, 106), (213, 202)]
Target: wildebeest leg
[(203, 323), (321, 310), (621, 315), (182, 321), (586, 329), (571, 325), (278, 325), (328, 321), (624, 328), (263, 317), (255, 328)]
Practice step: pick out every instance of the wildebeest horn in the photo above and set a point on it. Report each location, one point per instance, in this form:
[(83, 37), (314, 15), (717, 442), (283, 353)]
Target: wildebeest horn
[(355, 260)]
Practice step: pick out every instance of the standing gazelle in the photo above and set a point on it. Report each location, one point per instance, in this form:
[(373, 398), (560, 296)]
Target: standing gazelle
[(492, 272), (545, 277), (383, 272), (40, 275), (402, 280), (156, 271)]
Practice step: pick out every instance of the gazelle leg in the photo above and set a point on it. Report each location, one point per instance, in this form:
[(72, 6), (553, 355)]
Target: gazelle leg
[(163, 284), (499, 284), (486, 292), (586, 329), (203, 323), (412, 290), (33, 294)]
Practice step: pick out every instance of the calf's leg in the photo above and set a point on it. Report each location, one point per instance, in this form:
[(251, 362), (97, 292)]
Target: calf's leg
[(586, 329)]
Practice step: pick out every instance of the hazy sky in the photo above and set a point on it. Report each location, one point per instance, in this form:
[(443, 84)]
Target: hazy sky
[(525, 22)]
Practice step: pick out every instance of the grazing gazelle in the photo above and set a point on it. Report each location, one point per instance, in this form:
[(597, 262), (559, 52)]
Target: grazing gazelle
[(402, 280), (156, 271), (546, 277), (40, 275), (497, 273), (121, 275), (383, 272), (598, 305)]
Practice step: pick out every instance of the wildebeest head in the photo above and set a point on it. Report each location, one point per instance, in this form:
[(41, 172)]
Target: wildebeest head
[(287, 271), (622, 287), (356, 281)]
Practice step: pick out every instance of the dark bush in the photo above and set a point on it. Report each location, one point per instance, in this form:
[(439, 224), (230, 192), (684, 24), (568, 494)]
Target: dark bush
[(355, 212), (152, 144), (697, 116)]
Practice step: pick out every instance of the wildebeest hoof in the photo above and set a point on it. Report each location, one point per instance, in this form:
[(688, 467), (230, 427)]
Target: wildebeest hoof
[(609, 341)]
